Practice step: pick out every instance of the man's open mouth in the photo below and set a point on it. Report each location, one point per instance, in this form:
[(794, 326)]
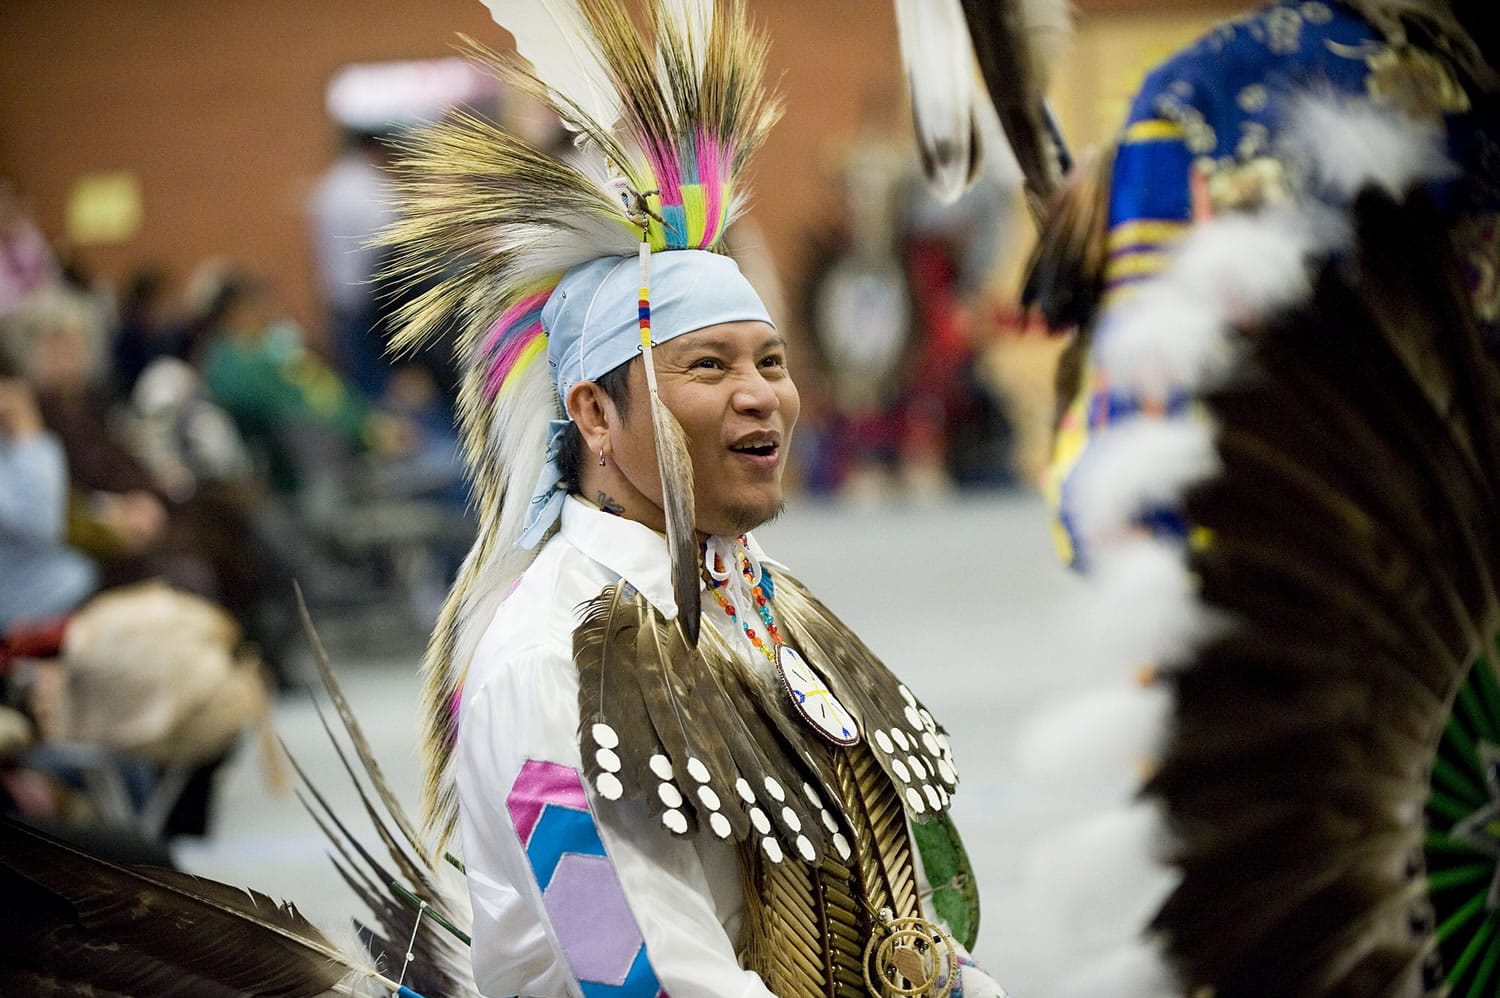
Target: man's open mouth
[(756, 446)]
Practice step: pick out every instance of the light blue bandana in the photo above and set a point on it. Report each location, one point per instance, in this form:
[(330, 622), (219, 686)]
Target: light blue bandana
[(592, 326)]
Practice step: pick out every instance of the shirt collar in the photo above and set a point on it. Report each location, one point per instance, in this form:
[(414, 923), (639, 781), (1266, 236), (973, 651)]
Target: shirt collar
[(630, 550)]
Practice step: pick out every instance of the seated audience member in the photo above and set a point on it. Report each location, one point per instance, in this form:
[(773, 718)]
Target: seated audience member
[(43, 577), (145, 332), (117, 515), (289, 405)]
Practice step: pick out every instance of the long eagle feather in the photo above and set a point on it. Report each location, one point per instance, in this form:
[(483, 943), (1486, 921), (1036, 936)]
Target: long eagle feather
[(71, 918)]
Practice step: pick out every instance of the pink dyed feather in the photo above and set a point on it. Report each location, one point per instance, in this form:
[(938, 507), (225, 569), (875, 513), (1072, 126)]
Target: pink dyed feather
[(504, 364)]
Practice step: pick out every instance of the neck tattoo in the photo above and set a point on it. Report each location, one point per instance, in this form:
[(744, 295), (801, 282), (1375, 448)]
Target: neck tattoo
[(608, 503)]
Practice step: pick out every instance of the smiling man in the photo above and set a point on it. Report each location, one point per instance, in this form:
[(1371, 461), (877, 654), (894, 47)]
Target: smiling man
[(726, 383), (605, 848), (630, 803), (723, 797)]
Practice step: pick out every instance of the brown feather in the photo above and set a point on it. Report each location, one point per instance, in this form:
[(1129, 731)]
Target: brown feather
[(1065, 273), (440, 959), (608, 692), (862, 682), (352, 728), (638, 675), (143, 930), (1015, 80)]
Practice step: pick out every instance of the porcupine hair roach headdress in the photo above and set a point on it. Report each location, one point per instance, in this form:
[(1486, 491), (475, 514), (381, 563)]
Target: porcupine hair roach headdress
[(666, 115)]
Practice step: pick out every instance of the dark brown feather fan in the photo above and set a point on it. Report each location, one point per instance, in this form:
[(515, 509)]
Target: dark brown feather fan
[(77, 924), (1352, 538), (904, 737), (663, 721), (710, 743)]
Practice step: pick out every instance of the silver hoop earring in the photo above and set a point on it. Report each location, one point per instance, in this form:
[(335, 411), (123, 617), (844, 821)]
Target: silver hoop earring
[(601, 459)]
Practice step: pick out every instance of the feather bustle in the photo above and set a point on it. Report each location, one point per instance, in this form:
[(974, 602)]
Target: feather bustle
[(1352, 535)]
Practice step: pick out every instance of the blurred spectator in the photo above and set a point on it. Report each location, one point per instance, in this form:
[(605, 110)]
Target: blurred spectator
[(197, 457), (27, 264), (145, 331), (290, 407), (892, 303), (350, 204), (433, 469), (354, 489), (116, 514), (955, 422), (43, 577), (188, 443)]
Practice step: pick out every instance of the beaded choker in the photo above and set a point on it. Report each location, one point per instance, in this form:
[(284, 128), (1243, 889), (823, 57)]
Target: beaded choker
[(762, 591)]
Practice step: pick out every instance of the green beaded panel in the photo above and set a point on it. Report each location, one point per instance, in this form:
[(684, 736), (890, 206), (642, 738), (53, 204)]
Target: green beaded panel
[(955, 896), (1463, 838)]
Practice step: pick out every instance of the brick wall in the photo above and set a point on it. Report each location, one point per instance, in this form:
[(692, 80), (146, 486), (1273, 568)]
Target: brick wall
[(217, 107)]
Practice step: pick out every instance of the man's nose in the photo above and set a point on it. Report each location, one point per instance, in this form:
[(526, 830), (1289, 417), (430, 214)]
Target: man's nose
[(755, 393)]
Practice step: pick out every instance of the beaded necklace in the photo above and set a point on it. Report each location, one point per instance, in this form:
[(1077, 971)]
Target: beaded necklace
[(760, 592)]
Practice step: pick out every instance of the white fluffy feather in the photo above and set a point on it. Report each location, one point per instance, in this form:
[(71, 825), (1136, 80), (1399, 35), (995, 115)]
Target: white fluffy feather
[(1096, 882), (1249, 265), (1148, 606), (366, 979), (1157, 343), (1107, 872), (1352, 143), (1098, 742), (552, 36), (1089, 891), (1180, 331), (1135, 466)]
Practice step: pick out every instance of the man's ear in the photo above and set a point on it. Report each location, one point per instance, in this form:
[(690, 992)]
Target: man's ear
[(593, 412)]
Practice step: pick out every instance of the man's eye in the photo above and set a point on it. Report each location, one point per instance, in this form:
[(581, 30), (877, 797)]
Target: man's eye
[(707, 364), (774, 360)]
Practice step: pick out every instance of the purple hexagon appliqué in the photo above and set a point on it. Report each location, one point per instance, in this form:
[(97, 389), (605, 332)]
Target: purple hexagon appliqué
[(591, 918)]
